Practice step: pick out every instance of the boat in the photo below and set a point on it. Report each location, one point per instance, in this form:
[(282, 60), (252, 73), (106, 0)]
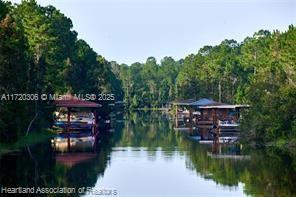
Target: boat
[(222, 140), (228, 125), (75, 124), (184, 128)]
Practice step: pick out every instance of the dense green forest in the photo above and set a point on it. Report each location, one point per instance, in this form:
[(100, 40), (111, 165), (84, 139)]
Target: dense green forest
[(259, 71), (40, 53)]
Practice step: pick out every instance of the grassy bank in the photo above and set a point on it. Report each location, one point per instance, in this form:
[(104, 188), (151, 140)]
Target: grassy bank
[(30, 139)]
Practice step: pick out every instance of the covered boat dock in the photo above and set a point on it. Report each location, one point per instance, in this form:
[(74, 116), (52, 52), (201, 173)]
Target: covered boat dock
[(208, 116), (70, 102), (76, 119)]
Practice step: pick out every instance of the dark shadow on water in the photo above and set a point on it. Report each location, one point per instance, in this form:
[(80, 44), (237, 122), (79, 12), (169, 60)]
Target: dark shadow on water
[(269, 172)]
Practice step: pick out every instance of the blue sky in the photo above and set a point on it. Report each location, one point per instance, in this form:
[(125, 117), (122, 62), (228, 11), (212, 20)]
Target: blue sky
[(132, 30)]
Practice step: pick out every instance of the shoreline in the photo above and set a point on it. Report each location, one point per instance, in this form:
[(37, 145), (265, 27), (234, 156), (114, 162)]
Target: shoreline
[(31, 139)]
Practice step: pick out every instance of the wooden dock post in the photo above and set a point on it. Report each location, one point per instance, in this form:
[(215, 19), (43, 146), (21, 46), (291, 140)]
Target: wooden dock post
[(215, 126), (191, 119), (68, 127)]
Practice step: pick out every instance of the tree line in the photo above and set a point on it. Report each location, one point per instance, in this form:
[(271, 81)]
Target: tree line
[(148, 84), (40, 53), (260, 71)]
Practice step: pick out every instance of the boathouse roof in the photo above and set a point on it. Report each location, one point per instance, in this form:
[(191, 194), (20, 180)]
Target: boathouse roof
[(72, 101), (193, 102), (183, 102), (206, 103)]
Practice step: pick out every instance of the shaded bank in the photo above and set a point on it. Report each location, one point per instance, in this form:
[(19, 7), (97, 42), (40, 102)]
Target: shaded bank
[(31, 139), (38, 166)]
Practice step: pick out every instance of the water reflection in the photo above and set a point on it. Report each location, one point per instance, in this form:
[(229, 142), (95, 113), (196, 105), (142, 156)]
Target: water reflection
[(74, 142), (151, 159), (40, 166), (144, 156)]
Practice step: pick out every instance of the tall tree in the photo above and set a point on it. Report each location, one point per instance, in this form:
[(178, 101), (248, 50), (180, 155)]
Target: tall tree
[(13, 59)]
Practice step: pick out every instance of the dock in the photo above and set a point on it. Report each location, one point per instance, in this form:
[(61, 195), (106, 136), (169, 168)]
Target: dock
[(211, 118)]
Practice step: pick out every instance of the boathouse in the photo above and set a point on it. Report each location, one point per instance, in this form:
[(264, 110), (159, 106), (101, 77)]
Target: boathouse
[(207, 110), (68, 105), (207, 115)]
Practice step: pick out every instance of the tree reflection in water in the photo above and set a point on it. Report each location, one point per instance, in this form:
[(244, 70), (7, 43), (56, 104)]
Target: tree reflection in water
[(268, 172), (263, 172)]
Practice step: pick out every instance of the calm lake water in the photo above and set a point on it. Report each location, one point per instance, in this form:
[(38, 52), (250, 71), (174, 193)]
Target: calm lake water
[(144, 156)]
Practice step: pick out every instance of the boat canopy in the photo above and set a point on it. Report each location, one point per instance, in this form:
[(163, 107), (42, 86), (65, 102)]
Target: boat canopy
[(183, 102), (206, 103), (72, 101)]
